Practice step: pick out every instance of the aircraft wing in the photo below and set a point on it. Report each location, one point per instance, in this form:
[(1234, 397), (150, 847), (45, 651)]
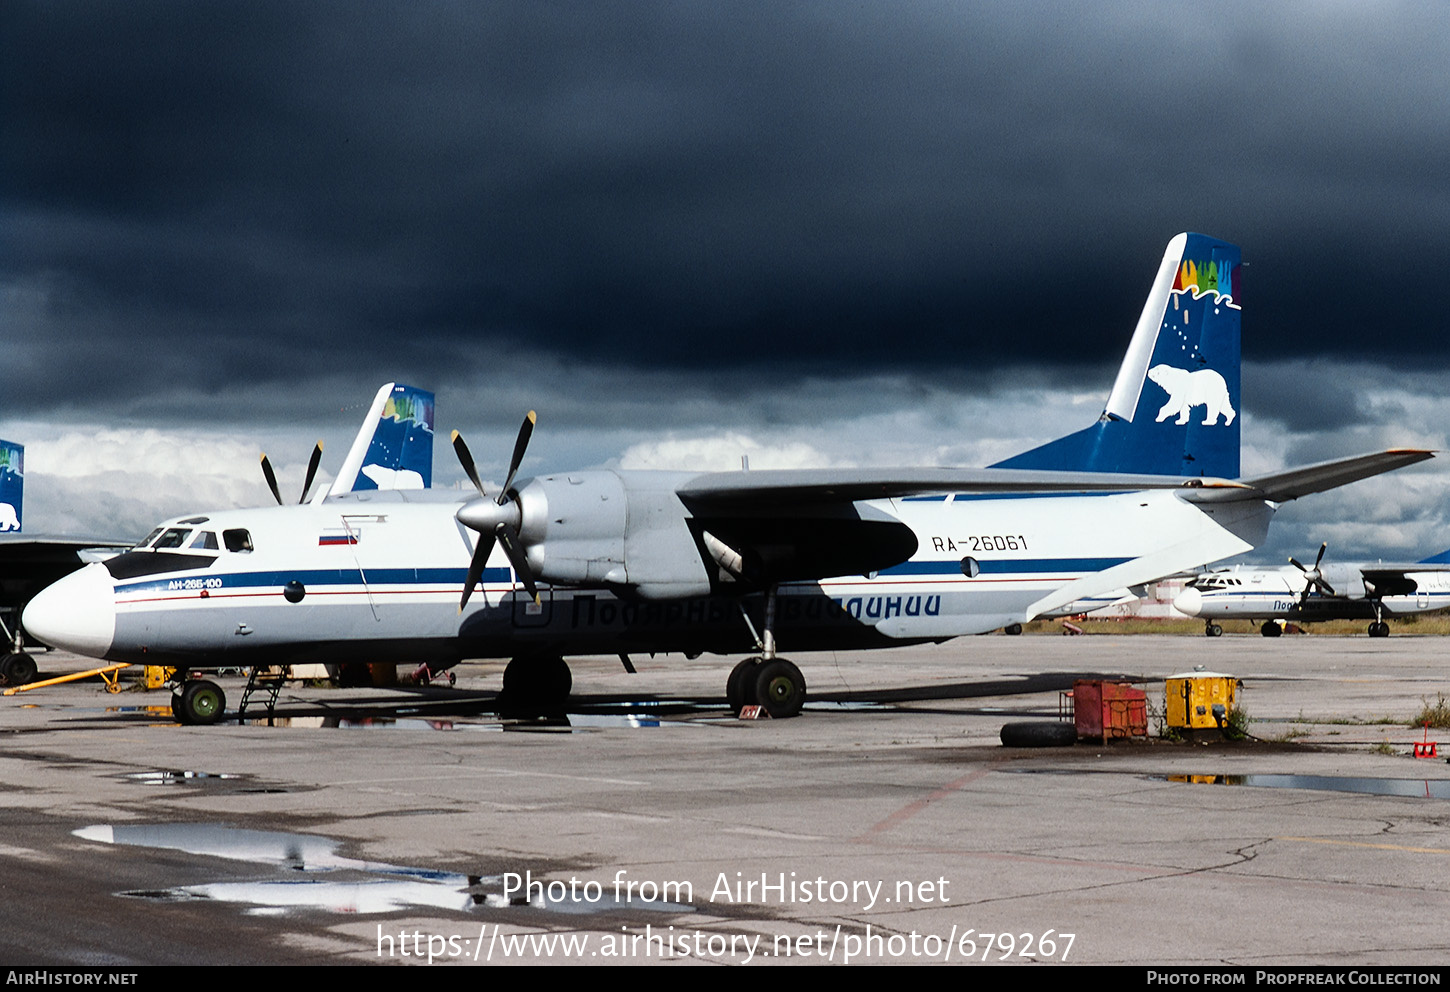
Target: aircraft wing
[(1393, 579), (784, 525), (801, 486)]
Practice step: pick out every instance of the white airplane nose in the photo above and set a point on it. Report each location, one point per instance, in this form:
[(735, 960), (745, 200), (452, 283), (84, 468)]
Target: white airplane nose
[(78, 613), (1189, 602)]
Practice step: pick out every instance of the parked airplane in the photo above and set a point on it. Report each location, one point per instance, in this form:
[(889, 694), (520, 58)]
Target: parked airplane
[(30, 562), (606, 561), (1357, 591)]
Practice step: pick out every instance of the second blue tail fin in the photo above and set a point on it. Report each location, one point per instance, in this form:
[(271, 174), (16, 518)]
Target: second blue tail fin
[(394, 448), (1174, 406), (12, 485)]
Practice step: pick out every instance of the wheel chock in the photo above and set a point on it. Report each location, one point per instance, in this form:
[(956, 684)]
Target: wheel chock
[(1427, 747), (754, 713)]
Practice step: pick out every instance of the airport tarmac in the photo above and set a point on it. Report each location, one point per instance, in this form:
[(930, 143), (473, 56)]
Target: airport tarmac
[(886, 824)]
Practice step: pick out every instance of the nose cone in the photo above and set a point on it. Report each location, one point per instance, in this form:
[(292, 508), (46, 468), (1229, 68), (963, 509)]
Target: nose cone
[(1189, 602), (78, 613)]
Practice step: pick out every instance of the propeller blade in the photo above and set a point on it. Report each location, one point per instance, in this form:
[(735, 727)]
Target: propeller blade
[(311, 472), (509, 540), (526, 431), (465, 458), (475, 567), (1328, 589), (1296, 563), (271, 478), (1320, 557)]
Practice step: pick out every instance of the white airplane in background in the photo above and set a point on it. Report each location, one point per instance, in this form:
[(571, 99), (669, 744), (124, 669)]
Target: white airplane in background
[(1358, 591), (605, 561)]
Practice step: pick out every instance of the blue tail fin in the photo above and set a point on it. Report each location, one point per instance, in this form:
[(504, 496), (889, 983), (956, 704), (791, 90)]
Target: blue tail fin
[(394, 448), (1174, 408), (1443, 558), (12, 485)]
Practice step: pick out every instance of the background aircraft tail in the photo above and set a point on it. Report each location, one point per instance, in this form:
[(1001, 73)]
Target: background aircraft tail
[(394, 448), (1174, 408), (12, 485)]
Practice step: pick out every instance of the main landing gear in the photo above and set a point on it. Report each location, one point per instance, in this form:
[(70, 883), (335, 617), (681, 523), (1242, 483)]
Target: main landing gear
[(1270, 629), (17, 667), (535, 685), (772, 683)]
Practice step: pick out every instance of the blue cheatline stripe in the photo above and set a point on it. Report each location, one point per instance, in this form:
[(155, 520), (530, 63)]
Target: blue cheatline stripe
[(318, 577), (971, 497), (1005, 566)]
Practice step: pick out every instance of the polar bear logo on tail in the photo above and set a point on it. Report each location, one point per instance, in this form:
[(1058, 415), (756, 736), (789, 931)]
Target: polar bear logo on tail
[(1186, 390), (8, 519)]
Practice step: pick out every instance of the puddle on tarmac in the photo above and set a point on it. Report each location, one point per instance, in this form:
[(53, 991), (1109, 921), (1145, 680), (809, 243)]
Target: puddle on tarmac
[(1413, 787), (563, 725), (364, 886)]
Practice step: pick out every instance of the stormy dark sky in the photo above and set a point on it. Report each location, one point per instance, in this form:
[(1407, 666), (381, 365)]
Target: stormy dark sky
[(829, 233)]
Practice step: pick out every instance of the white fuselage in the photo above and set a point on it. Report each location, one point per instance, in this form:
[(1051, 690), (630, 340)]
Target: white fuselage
[(378, 578)]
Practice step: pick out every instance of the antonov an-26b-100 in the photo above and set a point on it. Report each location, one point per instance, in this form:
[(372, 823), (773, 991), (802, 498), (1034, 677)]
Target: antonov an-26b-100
[(381, 568)]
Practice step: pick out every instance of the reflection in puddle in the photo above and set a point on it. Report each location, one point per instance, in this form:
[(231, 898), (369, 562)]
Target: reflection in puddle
[(562, 725), (179, 777), (1416, 788), (382, 887)]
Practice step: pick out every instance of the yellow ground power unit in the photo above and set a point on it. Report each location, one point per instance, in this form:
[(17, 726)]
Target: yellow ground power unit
[(1200, 700)]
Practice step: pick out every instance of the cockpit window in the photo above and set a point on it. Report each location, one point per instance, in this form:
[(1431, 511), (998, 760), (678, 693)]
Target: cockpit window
[(148, 538), (205, 541), (237, 540), (173, 538)]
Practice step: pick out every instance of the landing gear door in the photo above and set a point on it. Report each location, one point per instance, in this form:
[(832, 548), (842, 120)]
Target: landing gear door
[(527, 613)]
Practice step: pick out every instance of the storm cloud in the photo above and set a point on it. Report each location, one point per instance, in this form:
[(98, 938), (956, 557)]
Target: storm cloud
[(678, 229)]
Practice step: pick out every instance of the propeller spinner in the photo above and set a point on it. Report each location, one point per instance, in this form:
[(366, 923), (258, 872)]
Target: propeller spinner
[(271, 476), (1313, 577), (497, 519)]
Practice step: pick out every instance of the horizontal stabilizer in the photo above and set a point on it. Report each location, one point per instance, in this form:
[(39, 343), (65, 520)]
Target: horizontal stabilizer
[(1284, 486)]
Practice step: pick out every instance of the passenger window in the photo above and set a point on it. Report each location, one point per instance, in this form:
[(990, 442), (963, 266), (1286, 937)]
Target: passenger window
[(173, 538), (206, 541), (237, 540)]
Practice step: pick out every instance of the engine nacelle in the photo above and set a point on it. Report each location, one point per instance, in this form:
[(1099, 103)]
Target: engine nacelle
[(604, 528)]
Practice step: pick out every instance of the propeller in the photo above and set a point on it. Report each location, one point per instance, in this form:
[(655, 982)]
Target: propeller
[(1313, 577), (497, 519), (306, 483)]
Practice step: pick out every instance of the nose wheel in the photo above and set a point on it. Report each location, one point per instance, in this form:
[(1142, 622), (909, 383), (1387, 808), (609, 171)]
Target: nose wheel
[(1212, 630), (198, 703)]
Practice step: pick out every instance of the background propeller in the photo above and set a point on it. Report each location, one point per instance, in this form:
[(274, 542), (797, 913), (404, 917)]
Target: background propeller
[(271, 476), (1313, 577), (497, 519)]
